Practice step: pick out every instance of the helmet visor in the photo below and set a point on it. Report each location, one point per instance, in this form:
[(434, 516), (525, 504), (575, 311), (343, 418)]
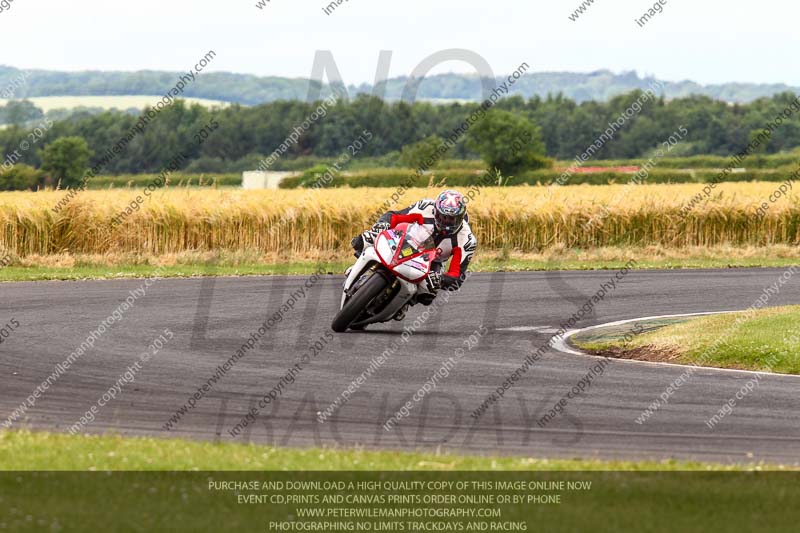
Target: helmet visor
[(448, 223)]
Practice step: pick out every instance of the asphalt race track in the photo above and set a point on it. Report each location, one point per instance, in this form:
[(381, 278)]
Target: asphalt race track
[(211, 318)]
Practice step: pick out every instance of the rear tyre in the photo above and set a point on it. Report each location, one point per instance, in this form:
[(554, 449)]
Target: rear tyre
[(358, 302)]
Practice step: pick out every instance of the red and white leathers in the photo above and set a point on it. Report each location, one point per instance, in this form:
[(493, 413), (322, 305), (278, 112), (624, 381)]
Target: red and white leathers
[(458, 247)]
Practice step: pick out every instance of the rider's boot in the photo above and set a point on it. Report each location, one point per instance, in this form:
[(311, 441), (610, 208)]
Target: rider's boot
[(425, 298), (426, 293)]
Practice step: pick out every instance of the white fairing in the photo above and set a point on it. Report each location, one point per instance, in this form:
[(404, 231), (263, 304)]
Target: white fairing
[(413, 270), (405, 276), (407, 289)]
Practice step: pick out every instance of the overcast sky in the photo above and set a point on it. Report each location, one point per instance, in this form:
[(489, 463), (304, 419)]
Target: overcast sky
[(708, 41)]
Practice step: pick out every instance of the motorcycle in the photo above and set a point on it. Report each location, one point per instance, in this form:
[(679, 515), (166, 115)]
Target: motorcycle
[(386, 277)]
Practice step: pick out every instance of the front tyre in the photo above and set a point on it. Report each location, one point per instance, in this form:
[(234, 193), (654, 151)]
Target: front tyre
[(358, 302)]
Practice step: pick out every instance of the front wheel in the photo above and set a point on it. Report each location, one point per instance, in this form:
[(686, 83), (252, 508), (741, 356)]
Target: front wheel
[(358, 302)]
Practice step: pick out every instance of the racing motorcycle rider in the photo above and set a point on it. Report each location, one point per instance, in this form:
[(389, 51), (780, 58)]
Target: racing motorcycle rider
[(447, 218)]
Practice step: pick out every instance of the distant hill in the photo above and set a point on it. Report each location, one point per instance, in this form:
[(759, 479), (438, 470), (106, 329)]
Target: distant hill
[(600, 86), (250, 90)]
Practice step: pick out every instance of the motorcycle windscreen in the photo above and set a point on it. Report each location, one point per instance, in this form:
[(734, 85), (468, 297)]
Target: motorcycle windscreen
[(419, 238), (397, 249)]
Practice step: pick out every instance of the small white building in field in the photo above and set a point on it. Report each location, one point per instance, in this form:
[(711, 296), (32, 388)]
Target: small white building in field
[(257, 179)]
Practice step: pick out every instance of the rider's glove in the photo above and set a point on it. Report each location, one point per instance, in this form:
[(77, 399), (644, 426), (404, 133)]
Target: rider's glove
[(450, 283), (378, 227), (371, 234)]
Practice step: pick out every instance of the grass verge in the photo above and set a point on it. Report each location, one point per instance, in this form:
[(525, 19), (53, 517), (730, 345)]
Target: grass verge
[(41, 273), (25, 450), (242, 488), (766, 340), (192, 264)]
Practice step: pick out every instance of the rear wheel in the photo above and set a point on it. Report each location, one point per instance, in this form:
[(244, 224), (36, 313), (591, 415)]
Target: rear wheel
[(358, 302)]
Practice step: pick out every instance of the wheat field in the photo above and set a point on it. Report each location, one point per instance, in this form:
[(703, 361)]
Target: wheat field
[(49, 103), (522, 218)]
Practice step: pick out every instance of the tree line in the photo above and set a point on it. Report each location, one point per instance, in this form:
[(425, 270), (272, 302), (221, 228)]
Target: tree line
[(562, 129)]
